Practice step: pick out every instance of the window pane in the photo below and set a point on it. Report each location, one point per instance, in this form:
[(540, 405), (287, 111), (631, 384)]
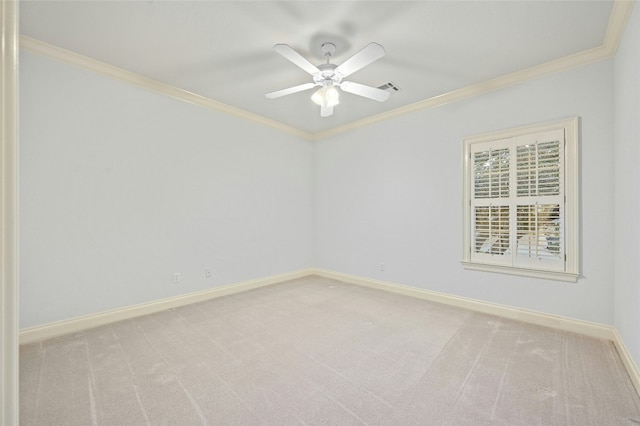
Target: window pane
[(491, 174), (538, 169), (492, 229), (539, 231)]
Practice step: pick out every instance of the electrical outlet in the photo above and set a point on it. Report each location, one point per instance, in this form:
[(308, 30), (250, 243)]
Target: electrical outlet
[(176, 278), (207, 272), (381, 266)]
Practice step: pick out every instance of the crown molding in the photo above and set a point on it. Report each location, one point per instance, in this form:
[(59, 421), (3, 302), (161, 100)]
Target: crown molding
[(518, 77), (54, 52), (615, 30), (617, 23)]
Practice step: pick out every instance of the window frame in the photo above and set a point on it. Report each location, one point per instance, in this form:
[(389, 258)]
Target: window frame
[(571, 221)]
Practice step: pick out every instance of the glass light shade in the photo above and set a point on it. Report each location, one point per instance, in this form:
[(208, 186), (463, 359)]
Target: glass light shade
[(326, 96)]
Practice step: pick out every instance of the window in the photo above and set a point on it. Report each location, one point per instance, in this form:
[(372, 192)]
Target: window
[(521, 201)]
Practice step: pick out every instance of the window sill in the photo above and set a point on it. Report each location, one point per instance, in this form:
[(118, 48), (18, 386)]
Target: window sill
[(524, 272)]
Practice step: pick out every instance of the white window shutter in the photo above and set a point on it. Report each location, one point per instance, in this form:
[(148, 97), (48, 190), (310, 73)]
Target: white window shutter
[(491, 183), (521, 202), (539, 198)]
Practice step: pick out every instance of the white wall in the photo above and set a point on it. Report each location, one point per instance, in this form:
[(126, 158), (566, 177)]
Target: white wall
[(627, 181), (392, 193), (121, 187)]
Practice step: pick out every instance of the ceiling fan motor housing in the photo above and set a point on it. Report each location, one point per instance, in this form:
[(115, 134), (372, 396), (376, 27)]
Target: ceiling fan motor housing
[(327, 75)]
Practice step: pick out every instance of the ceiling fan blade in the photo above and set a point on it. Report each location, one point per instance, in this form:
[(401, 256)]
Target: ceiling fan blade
[(288, 52), (290, 90), (326, 111), (366, 91), (370, 53)]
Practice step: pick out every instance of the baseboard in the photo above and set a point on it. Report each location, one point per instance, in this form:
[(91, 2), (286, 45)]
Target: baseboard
[(627, 360), (591, 329), (587, 328), (48, 331)]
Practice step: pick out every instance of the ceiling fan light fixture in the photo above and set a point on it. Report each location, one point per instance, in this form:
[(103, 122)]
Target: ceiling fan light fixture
[(326, 96)]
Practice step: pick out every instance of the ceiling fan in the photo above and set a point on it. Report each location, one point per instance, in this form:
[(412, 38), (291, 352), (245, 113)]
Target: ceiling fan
[(329, 76)]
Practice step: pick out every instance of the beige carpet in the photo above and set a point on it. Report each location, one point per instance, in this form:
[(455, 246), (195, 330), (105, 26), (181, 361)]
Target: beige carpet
[(319, 352)]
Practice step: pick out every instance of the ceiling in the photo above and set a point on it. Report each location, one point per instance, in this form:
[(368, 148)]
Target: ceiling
[(222, 50)]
